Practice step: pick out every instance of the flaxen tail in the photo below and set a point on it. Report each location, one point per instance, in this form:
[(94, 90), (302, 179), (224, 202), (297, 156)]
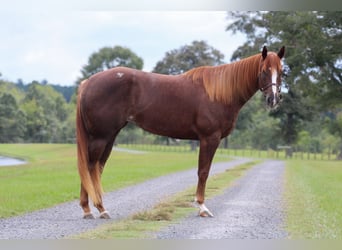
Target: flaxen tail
[(83, 153)]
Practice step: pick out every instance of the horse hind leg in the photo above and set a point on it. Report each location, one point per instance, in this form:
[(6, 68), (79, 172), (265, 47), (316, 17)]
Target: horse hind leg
[(96, 178), (96, 149), (101, 150), (84, 202)]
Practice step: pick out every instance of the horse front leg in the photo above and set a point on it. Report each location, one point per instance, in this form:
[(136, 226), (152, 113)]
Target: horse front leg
[(208, 146)]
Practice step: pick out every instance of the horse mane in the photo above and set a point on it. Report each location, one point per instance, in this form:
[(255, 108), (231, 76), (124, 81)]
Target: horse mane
[(227, 82)]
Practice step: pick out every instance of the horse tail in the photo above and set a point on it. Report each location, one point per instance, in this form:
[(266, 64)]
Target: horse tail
[(82, 151)]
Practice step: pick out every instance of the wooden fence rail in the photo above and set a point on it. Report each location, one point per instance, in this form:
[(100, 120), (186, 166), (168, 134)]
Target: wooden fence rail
[(281, 153)]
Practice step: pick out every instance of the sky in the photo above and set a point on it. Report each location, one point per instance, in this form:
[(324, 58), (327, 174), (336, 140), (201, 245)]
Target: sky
[(53, 45)]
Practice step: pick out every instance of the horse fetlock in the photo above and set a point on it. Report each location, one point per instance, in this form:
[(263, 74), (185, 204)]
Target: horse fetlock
[(199, 201)]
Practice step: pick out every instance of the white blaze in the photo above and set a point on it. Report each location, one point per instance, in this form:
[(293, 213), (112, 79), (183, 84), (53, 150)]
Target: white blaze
[(274, 80), (274, 87)]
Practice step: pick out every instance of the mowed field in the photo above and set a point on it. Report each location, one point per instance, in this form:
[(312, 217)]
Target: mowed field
[(312, 197)]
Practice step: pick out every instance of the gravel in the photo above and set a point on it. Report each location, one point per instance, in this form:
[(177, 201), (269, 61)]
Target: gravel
[(251, 209), (66, 219)]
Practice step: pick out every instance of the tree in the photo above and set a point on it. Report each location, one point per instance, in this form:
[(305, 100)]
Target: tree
[(336, 129), (313, 70), (36, 122), (177, 61), (255, 128), (47, 114), (109, 57), (12, 120)]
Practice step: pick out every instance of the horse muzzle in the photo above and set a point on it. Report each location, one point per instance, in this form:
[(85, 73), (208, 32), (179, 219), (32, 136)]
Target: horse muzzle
[(272, 100)]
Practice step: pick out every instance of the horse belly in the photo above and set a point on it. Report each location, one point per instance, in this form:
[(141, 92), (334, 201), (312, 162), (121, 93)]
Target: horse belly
[(171, 121), (166, 111)]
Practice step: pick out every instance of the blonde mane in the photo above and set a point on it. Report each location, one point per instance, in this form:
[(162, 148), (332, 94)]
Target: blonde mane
[(229, 83)]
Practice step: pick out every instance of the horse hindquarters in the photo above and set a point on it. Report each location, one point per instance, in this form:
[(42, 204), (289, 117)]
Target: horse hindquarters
[(93, 152)]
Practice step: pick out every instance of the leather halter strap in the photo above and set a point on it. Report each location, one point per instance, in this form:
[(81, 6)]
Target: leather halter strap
[(267, 86)]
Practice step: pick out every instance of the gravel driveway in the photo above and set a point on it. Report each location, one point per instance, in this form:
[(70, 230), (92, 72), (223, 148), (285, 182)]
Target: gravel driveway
[(66, 219), (251, 209)]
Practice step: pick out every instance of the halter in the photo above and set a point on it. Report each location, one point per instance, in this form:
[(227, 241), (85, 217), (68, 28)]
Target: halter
[(262, 89)]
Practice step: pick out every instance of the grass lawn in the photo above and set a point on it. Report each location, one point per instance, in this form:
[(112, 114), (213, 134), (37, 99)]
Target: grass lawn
[(314, 199), (51, 176)]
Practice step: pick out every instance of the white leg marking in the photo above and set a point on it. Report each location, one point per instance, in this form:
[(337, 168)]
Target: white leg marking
[(204, 211), (104, 215), (104, 212)]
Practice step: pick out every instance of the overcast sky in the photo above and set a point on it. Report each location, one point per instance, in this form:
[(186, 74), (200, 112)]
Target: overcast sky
[(54, 45)]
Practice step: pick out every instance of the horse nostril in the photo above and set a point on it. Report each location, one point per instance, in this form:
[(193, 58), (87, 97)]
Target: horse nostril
[(269, 100)]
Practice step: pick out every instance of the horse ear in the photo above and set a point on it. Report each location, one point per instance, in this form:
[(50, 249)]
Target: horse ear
[(264, 52), (281, 52)]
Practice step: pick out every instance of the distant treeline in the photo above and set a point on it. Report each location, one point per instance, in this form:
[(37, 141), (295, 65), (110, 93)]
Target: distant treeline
[(36, 112), (66, 91)]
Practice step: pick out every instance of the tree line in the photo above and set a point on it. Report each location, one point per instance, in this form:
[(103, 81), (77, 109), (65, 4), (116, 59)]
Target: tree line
[(309, 117), (37, 113)]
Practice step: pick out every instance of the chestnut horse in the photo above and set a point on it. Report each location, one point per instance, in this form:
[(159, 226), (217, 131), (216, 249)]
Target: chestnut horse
[(200, 104)]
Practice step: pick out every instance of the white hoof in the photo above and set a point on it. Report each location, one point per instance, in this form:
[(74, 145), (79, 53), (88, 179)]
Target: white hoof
[(204, 211)]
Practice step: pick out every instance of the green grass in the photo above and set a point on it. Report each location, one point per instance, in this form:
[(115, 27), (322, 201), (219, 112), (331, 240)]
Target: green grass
[(143, 224), (51, 176), (314, 199), (42, 182)]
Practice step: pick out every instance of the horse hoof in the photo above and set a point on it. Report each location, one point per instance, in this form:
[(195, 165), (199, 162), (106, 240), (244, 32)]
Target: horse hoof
[(88, 216), (204, 211), (205, 214), (104, 215)]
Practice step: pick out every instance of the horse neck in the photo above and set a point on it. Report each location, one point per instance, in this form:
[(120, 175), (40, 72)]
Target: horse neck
[(233, 83), (241, 79)]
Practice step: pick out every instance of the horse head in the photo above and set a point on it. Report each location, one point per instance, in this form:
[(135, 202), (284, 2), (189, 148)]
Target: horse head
[(269, 79)]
